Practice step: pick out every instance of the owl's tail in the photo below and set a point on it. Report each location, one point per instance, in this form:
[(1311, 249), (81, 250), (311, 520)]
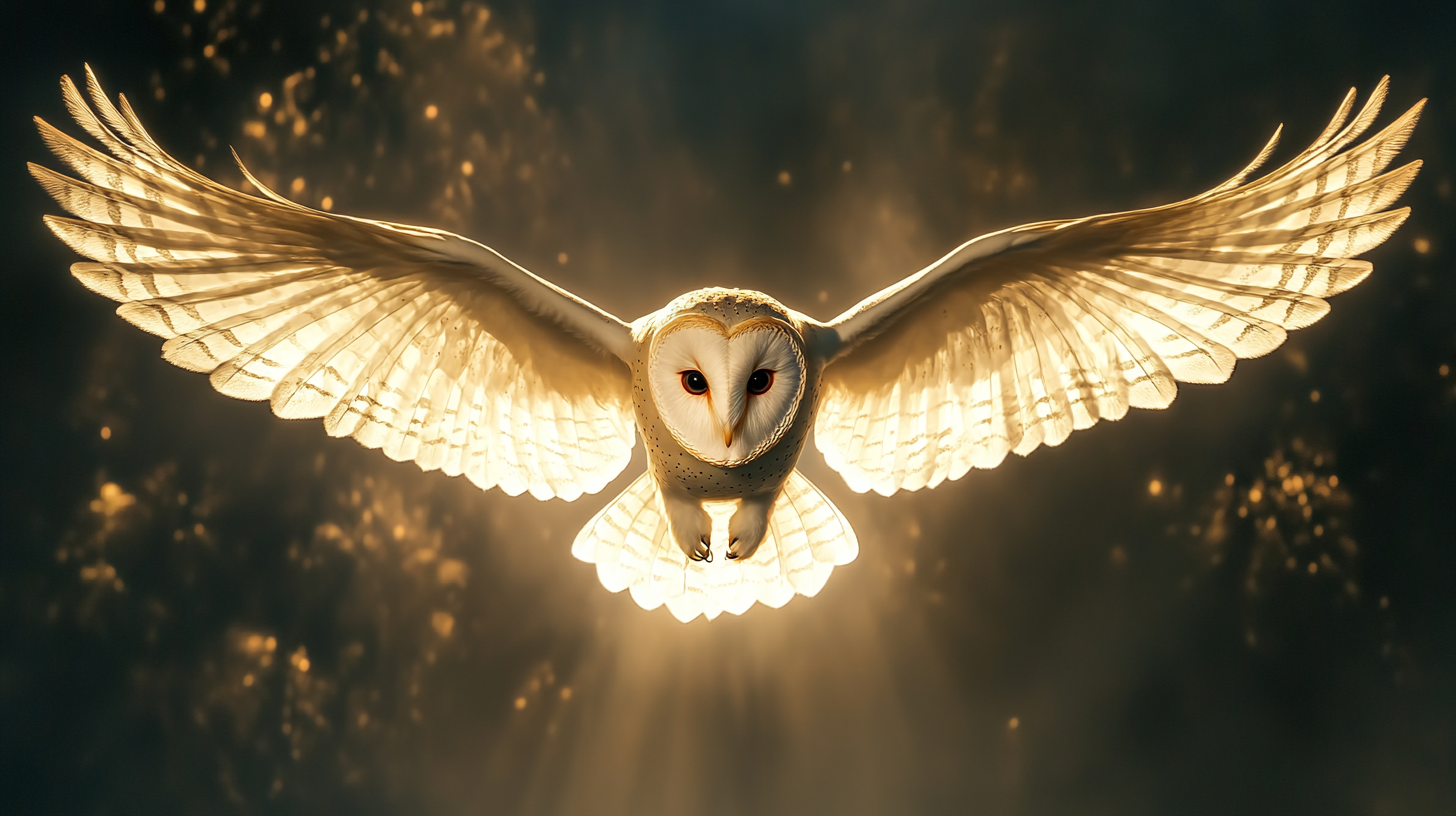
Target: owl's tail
[(630, 543)]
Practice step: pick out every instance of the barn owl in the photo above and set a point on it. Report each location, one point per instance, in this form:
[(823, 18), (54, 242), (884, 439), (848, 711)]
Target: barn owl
[(437, 349)]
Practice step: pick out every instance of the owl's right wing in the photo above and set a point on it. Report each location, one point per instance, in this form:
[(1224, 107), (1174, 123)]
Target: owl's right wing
[(1020, 337), (431, 347)]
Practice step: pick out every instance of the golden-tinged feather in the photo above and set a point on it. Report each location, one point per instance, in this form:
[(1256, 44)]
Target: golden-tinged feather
[(418, 342), (1018, 338)]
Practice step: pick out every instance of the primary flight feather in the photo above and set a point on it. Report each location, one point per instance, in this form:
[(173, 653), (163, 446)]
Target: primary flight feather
[(438, 350)]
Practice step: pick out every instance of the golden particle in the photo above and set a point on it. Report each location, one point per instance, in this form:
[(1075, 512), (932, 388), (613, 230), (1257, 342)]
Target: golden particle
[(105, 432), (398, 532), (209, 50), (562, 258), (520, 701), (1314, 396), (443, 623), (566, 692), (247, 679), (417, 7), (255, 129), (300, 126), (1155, 488), (160, 93), (1444, 370), (1334, 480), (159, 6), (451, 571), (1384, 602), (1013, 723), (356, 80), (327, 204), (1422, 246), (785, 179), (468, 168), (846, 167), (431, 111), (199, 6), (265, 100), (297, 185), (271, 643), (1255, 495), (1313, 568), (1228, 479)]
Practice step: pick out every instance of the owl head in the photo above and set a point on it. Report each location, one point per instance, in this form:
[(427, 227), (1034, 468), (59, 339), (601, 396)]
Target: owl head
[(727, 374)]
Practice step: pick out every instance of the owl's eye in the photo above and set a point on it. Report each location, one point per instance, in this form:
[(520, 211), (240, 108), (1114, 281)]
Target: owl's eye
[(760, 381), (694, 382)]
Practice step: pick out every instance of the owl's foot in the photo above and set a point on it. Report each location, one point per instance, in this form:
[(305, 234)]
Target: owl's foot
[(691, 526), (748, 526)]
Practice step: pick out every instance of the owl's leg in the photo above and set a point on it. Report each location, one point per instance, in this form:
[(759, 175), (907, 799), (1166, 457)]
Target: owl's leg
[(749, 524), (691, 526)]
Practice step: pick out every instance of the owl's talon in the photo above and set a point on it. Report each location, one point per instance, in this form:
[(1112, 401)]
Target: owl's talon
[(705, 554)]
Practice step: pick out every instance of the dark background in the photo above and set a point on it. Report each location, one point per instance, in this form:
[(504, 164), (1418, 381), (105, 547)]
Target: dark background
[(204, 609)]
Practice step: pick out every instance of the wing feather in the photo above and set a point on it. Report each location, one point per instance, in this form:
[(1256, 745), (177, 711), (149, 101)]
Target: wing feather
[(1018, 338), (430, 347)]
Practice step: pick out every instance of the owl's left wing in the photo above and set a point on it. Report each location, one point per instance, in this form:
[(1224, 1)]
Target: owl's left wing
[(431, 347), (1018, 338)]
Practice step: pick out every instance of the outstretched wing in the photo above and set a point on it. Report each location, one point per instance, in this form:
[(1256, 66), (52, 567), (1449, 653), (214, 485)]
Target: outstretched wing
[(421, 343), (1020, 337)]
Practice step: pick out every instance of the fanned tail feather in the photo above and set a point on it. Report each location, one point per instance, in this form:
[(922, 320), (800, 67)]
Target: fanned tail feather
[(631, 545)]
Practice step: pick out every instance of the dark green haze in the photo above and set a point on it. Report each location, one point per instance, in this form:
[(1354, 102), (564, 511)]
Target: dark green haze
[(1243, 604)]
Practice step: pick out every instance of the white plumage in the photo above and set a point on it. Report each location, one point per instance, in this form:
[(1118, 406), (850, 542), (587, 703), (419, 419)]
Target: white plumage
[(438, 350)]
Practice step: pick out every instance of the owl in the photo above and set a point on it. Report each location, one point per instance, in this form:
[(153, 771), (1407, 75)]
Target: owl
[(437, 349)]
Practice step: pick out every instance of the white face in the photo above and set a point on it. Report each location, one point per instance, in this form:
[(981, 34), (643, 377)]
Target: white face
[(726, 395)]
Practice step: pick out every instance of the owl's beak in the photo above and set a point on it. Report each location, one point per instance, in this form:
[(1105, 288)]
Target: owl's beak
[(729, 421)]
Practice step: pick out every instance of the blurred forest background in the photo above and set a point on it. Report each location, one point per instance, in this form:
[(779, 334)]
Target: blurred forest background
[(1243, 604)]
